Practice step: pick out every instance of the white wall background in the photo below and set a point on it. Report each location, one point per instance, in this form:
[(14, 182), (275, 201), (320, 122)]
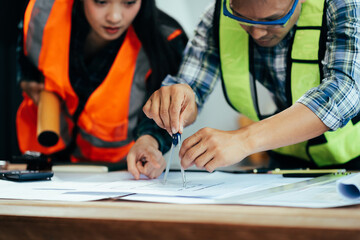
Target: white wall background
[(216, 113)]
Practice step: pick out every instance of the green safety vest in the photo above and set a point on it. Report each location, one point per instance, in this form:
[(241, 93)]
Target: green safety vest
[(333, 147)]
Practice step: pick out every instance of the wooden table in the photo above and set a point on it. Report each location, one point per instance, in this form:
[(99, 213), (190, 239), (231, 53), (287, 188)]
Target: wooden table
[(136, 220)]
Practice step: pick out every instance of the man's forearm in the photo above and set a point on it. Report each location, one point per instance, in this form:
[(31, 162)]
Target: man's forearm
[(293, 125)]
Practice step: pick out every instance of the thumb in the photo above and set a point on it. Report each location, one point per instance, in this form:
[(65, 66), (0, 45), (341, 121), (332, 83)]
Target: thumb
[(188, 112)]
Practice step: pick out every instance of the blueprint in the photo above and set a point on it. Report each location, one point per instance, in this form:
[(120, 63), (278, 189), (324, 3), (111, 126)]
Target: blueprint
[(201, 188)]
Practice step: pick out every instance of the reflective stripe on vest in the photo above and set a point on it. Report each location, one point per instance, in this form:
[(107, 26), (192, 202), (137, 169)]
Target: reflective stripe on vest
[(109, 117), (338, 146)]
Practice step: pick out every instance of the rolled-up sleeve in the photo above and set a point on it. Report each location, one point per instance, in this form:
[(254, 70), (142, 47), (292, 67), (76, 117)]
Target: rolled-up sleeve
[(337, 99)]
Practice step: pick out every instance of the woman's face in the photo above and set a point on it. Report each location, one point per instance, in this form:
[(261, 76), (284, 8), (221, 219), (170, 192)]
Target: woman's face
[(109, 19)]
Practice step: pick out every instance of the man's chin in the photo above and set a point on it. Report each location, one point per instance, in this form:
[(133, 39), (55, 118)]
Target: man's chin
[(266, 43)]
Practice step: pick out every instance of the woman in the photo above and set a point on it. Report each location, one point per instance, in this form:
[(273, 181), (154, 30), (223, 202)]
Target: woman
[(102, 58)]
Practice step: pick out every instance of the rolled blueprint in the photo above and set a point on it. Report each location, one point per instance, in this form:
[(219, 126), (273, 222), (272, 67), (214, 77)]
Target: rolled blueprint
[(349, 186), (48, 123)]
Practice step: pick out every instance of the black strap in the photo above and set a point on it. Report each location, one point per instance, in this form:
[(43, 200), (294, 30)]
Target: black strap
[(216, 22), (288, 93), (321, 54), (356, 119), (323, 38)]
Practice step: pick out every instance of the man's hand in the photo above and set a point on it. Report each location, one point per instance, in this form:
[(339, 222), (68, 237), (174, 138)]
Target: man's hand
[(211, 148), (145, 158), (32, 89), (172, 107)]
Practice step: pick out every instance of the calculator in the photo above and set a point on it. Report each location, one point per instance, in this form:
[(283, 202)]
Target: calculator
[(26, 175)]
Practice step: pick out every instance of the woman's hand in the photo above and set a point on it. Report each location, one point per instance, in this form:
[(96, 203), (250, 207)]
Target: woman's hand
[(145, 158), (32, 89)]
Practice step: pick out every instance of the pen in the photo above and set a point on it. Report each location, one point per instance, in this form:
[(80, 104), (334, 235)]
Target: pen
[(310, 175), (252, 170), (307, 171), (304, 175)]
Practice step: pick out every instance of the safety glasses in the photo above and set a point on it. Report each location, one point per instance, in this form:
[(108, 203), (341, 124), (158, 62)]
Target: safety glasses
[(278, 23)]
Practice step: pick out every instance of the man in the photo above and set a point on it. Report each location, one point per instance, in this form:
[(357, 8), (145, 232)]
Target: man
[(305, 52)]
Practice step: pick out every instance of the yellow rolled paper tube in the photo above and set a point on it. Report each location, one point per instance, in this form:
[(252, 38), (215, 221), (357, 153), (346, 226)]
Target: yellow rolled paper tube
[(48, 119)]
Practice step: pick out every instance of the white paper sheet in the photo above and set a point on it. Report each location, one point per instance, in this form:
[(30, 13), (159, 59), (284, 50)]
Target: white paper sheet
[(87, 187), (202, 188), (62, 187), (199, 184), (270, 190), (314, 193)]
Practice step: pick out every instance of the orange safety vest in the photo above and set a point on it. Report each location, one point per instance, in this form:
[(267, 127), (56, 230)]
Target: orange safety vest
[(109, 117)]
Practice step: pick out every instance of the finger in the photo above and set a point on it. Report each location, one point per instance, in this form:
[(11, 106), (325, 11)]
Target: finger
[(192, 154), (188, 143), (181, 123), (151, 109), (147, 107), (147, 170), (35, 98), (37, 89), (188, 110), (23, 85), (155, 174), (40, 86), (190, 150), (131, 163), (203, 159), (212, 165), (151, 162), (35, 86), (175, 109), (164, 110), (151, 172), (140, 166), (153, 159)]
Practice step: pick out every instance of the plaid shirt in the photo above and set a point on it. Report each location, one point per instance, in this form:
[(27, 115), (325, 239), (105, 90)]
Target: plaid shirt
[(335, 101)]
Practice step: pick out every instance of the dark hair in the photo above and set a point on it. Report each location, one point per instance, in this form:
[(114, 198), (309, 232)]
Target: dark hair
[(163, 55)]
